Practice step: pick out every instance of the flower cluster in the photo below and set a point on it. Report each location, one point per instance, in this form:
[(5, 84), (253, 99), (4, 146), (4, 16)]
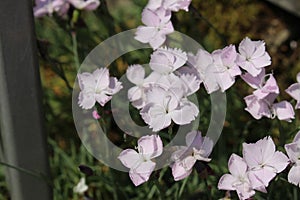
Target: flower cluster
[(61, 7), (142, 163), (162, 95), (156, 18), (217, 70), (261, 102), (258, 166)]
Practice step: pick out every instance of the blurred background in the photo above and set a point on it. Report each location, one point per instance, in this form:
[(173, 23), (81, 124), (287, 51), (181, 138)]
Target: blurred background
[(214, 24)]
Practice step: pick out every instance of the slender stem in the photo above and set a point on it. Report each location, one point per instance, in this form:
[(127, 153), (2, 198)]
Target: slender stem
[(182, 187), (295, 193), (75, 50), (199, 16), (157, 189), (74, 19), (31, 173), (282, 138)]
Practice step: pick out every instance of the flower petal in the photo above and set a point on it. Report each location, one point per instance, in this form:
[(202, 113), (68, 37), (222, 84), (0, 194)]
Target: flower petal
[(284, 111), (297, 137), (182, 169), (135, 74), (194, 139), (142, 173), (294, 175), (226, 182), (293, 151), (237, 166), (186, 113), (150, 146), (129, 158), (278, 161)]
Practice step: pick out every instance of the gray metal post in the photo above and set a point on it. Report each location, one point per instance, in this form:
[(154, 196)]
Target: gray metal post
[(22, 132)]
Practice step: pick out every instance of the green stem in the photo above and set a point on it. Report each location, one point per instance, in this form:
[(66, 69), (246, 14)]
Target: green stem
[(182, 187), (295, 193), (74, 19), (75, 50), (281, 134), (28, 172), (199, 16)]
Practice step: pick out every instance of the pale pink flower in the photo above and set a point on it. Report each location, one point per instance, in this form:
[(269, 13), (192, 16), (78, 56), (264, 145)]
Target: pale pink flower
[(204, 63), (284, 111), (293, 151), (85, 4), (257, 107), (173, 5), (263, 87), (252, 56), (166, 60), (263, 160), (176, 5), (261, 102), (294, 91), (164, 106), (157, 26), (97, 87), (238, 179), (140, 163), (168, 82), (266, 107), (48, 7), (136, 75), (197, 148), (226, 68)]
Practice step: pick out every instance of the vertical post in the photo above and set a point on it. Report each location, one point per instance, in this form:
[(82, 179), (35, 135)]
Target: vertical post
[(21, 118)]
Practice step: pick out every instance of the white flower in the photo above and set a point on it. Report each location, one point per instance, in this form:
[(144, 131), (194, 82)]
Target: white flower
[(140, 163), (163, 106), (97, 87), (238, 179), (204, 63), (197, 148), (252, 56), (81, 187), (157, 25), (136, 75), (226, 67), (167, 60)]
